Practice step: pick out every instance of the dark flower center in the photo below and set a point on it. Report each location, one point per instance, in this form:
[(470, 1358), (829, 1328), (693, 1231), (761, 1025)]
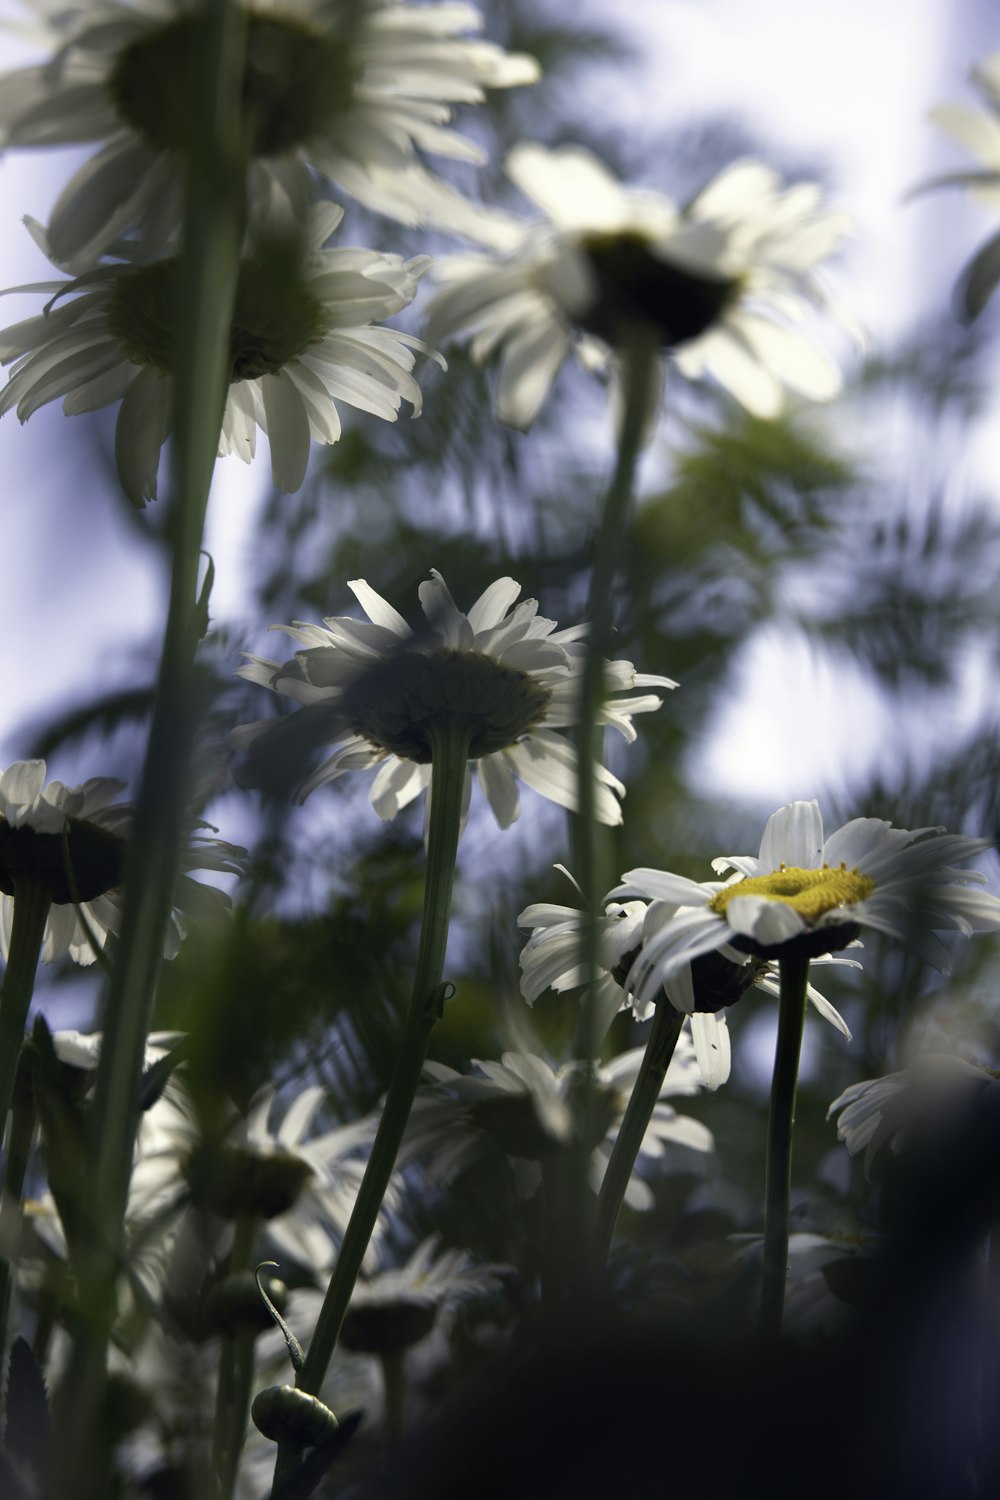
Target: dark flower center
[(275, 316), (79, 864), (399, 703), (296, 82), (634, 286)]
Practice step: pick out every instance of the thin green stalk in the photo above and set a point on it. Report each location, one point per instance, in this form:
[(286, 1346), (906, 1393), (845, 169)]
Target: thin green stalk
[(208, 272), (449, 756), (393, 1363), (780, 1125), (31, 910), (660, 1045), (638, 354), (236, 1358)]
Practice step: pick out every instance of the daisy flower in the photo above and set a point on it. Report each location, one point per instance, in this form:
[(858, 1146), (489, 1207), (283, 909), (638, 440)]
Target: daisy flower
[(530, 1110), (74, 838), (352, 89), (979, 132), (378, 691), (816, 893), (551, 959), (888, 1111), (724, 283), (303, 337), (398, 1307)]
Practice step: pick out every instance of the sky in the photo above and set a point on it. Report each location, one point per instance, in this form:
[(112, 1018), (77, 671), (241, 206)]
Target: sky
[(846, 86)]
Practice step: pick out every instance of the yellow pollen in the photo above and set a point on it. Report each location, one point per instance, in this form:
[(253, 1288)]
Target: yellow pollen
[(812, 893)]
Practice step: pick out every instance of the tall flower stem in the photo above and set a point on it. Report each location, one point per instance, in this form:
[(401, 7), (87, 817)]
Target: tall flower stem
[(781, 1120), (207, 277), (449, 755), (232, 1400), (31, 910), (666, 1028), (638, 357)]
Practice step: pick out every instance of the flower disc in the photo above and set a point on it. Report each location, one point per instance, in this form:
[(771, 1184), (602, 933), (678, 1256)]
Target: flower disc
[(295, 83), (636, 286), (78, 864)]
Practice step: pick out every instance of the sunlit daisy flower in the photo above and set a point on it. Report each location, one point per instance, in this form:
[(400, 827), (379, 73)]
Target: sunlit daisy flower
[(551, 959), (528, 1110), (352, 89), (723, 284), (808, 895), (979, 132), (304, 336), (74, 840), (892, 1110), (378, 692)]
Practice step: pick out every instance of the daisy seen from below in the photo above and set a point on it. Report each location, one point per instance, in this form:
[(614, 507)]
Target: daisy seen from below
[(531, 1111), (978, 131), (355, 90), (304, 336), (552, 959), (723, 284), (807, 894), (72, 840), (504, 674)]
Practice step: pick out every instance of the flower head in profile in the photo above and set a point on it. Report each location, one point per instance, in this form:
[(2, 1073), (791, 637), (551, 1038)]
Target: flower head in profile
[(355, 90), (396, 1308), (529, 1110), (913, 1103), (702, 989), (379, 693), (723, 284), (304, 336), (73, 840), (809, 895), (979, 132)]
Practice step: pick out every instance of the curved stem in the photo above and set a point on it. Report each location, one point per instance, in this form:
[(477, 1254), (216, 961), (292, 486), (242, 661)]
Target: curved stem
[(780, 1124), (666, 1028), (207, 278), (638, 355), (450, 748)]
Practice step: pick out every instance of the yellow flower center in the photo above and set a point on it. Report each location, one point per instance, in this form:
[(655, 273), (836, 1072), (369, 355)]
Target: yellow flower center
[(296, 81), (812, 893)]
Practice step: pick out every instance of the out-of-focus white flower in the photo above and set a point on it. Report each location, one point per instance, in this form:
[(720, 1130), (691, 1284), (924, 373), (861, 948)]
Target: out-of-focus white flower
[(806, 894), (529, 1110), (352, 89), (304, 336), (724, 284), (378, 692), (74, 839)]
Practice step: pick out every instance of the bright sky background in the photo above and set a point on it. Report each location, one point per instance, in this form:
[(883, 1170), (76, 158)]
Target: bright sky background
[(845, 85)]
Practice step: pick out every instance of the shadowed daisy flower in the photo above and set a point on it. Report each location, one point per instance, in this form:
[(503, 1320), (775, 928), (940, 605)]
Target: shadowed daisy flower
[(909, 1104), (302, 338), (74, 839), (816, 894), (353, 89), (378, 692), (531, 1110), (723, 283), (979, 132), (394, 1309), (551, 959)]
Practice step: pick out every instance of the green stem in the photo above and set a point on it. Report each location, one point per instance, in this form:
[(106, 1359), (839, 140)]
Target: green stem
[(638, 356), (781, 1121), (393, 1364), (208, 272), (666, 1028), (31, 911), (449, 757), (236, 1358)]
